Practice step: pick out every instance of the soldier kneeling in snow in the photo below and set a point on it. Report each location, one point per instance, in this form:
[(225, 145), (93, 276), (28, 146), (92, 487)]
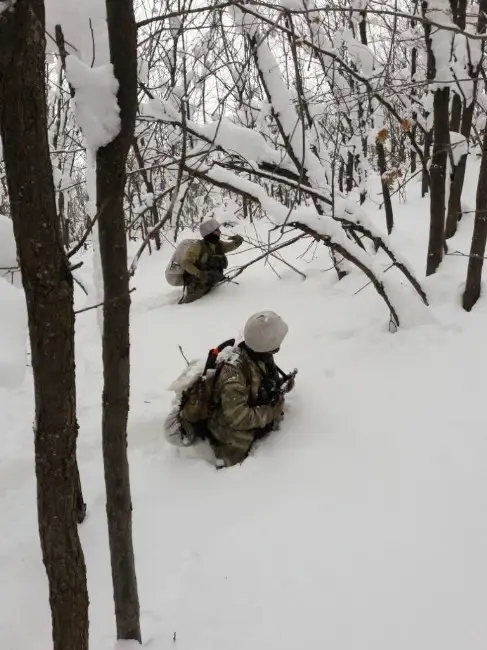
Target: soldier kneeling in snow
[(239, 396), (205, 260)]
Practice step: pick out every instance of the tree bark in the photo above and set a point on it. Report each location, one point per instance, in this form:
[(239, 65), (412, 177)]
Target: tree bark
[(381, 156), (48, 287), (479, 237), (441, 143), (454, 213), (150, 188), (111, 174), (456, 113), (439, 159)]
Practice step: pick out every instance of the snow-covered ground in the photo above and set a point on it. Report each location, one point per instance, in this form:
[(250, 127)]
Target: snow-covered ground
[(360, 524)]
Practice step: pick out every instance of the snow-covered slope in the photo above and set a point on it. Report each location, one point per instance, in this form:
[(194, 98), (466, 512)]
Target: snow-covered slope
[(361, 524)]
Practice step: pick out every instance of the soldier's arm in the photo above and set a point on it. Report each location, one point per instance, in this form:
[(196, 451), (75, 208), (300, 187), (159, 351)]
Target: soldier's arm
[(232, 245), (234, 399), (192, 256)]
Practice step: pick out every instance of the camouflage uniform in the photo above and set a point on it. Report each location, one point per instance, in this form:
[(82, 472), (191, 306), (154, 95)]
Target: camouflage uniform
[(235, 423), (203, 266)]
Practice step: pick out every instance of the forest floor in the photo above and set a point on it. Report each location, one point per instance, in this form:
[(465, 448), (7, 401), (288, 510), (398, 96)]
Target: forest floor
[(360, 524)]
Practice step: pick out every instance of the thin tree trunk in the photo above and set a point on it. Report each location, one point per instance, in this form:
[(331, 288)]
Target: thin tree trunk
[(425, 178), (441, 142), (381, 156), (479, 237), (414, 59), (150, 189), (111, 161), (456, 113), (454, 213), (48, 289), (349, 172), (341, 174), (439, 159)]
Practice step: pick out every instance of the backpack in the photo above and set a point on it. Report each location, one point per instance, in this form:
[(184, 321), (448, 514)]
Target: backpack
[(193, 406), (174, 270)]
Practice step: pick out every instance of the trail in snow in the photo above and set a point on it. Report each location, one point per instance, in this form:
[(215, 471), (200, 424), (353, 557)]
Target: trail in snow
[(360, 524)]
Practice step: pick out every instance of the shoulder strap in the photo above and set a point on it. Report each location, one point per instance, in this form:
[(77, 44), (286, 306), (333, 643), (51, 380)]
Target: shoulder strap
[(213, 354)]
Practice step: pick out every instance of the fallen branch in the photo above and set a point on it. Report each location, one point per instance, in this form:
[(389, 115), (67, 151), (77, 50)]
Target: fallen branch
[(104, 302), (278, 257), (236, 272), (339, 248), (380, 244)]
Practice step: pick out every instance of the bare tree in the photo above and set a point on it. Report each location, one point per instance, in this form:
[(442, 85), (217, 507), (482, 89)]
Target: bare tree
[(48, 289), (110, 184), (439, 158), (479, 237)]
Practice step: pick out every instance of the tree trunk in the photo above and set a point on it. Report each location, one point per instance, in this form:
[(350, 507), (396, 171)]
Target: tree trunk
[(441, 143), (150, 188), (479, 237), (48, 289), (456, 113), (454, 201), (381, 156), (341, 175), (349, 173), (425, 178), (414, 115), (111, 176)]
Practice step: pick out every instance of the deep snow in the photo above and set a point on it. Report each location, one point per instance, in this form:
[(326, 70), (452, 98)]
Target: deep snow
[(361, 524)]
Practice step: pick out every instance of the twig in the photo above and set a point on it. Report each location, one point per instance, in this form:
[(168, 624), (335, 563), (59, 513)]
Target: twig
[(93, 44), (370, 282), (379, 286), (183, 355), (279, 258), (241, 269), (80, 284), (104, 302), (61, 44), (81, 242), (460, 254)]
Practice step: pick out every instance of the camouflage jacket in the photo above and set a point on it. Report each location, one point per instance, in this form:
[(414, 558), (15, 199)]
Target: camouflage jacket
[(200, 253), (234, 420)]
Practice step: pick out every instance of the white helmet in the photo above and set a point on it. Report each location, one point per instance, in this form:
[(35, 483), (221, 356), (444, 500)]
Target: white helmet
[(265, 331), (209, 226)]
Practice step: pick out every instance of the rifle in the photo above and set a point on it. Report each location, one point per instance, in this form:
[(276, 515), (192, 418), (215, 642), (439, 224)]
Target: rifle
[(288, 380), (272, 390)]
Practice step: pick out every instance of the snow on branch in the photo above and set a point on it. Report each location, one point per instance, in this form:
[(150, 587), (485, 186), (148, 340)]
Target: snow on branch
[(225, 136), (291, 127), (323, 227), (97, 109), (334, 238)]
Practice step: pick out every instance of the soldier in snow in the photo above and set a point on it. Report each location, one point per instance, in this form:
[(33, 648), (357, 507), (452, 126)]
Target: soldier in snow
[(248, 396), (205, 260)]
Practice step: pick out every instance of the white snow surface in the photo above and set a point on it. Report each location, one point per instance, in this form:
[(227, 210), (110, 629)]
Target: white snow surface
[(97, 109), (8, 247), (13, 336), (360, 524)]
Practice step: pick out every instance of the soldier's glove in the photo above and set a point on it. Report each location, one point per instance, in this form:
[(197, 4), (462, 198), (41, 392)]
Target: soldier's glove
[(237, 239)]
